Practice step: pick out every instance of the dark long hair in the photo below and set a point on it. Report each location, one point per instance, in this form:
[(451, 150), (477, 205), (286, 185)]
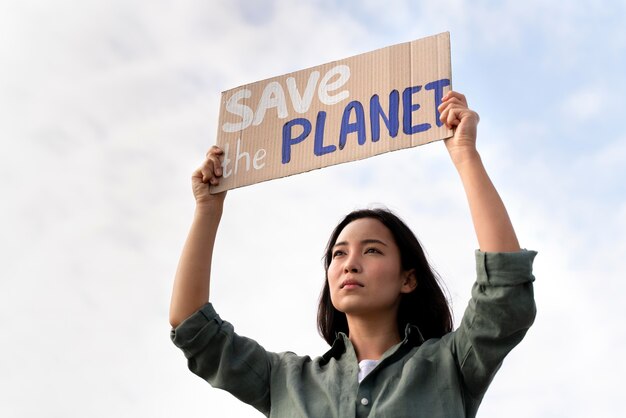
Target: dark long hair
[(426, 306)]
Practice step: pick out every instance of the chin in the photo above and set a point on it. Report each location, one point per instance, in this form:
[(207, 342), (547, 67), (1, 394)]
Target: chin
[(352, 308)]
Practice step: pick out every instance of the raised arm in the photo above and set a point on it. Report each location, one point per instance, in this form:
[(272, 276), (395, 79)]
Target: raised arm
[(191, 284), (492, 224)]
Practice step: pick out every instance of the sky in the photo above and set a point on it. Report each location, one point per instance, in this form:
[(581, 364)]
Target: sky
[(107, 107)]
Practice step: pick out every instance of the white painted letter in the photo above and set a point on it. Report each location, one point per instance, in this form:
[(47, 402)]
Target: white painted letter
[(344, 74), (258, 157), (239, 109), (302, 103), (273, 96), (239, 155), (226, 161)]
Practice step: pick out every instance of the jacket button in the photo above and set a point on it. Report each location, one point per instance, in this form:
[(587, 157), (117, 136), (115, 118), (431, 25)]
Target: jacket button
[(364, 401)]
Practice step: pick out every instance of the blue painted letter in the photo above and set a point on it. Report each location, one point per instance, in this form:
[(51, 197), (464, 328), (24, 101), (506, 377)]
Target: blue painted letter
[(358, 126), (318, 146), (376, 112), (408, 107), (288, 141), (438, 87)]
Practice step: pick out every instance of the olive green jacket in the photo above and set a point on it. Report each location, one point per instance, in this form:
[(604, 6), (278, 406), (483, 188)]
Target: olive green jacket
[(445, 377)]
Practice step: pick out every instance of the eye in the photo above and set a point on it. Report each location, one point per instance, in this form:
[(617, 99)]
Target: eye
[(337, 253), (372, 250)]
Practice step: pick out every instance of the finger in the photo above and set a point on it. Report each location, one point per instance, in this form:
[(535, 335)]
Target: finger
[(216, 161), (212, 165), (448, 116), (453, 117), (452, 101), (443, 115), (454, 95), (198, 177), (214, 150), (208, 170), (216, 154), (197, 174)]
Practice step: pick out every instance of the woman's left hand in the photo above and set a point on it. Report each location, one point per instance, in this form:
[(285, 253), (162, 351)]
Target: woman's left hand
[(455, 114)]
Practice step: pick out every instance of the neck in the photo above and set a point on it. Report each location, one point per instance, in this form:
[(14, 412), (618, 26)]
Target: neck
[(371, 337)]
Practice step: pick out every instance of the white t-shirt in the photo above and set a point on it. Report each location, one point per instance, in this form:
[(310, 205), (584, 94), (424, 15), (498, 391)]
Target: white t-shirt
[(365, 367)]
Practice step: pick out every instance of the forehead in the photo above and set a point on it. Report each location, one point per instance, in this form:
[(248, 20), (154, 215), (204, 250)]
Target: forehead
[(365, 228)]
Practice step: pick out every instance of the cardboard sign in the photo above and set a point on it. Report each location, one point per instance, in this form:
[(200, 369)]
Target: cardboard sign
[(342, 111)]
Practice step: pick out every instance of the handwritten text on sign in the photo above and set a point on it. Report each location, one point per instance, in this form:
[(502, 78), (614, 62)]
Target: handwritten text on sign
[(306, 120)]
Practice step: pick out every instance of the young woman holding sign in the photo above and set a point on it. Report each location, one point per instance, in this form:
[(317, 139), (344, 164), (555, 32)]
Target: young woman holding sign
[(393, 352)]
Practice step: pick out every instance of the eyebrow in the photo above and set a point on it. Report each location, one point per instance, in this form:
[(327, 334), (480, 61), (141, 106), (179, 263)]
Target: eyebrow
[(365, 241)]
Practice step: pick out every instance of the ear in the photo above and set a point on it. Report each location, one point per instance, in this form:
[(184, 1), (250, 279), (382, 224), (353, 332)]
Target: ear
[(409, 282)]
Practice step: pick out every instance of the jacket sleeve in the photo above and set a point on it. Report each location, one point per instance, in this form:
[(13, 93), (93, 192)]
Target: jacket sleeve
[(224, 359), (501, 310)]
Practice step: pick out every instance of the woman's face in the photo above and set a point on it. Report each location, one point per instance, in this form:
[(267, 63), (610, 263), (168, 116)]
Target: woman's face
[(365, 274)]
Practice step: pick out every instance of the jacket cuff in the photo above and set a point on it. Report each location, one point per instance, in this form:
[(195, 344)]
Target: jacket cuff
[(186, 332), (504, 269)]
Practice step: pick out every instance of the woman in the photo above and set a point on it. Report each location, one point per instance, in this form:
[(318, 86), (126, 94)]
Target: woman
[(393, 353)]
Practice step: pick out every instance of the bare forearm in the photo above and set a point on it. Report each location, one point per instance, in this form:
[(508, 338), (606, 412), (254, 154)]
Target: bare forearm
[(492, 224), (192, 281)]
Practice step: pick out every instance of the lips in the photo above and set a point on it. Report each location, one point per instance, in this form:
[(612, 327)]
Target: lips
[(351, 283)]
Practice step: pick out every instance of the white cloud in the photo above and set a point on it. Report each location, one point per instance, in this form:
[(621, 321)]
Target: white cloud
[(585, 104)]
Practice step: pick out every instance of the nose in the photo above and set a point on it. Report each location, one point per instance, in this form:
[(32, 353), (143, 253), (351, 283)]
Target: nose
[(351, 265)]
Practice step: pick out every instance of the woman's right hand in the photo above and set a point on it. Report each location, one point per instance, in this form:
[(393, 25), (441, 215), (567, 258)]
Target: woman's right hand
[(208, 174)]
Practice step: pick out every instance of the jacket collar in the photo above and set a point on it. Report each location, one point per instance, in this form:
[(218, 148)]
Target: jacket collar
[(412, 338)]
